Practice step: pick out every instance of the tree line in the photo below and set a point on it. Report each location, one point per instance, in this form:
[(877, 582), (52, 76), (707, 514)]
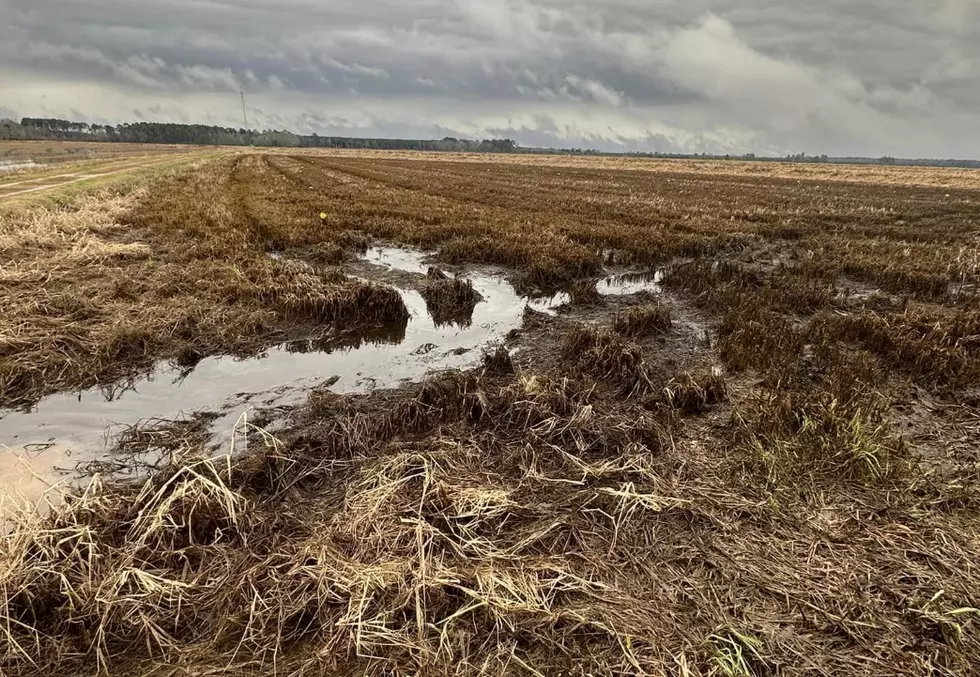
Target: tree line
[(212, 135)]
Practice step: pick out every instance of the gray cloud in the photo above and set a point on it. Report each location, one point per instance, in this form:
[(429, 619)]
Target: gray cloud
[(834, 76)]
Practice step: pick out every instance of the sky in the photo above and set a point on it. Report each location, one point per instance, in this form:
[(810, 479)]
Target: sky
[(841, 77)]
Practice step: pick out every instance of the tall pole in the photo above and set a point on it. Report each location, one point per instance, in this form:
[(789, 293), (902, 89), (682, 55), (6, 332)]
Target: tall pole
[(244, 114)]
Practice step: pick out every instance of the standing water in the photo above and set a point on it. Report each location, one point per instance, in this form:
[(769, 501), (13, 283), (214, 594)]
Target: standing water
[(64, 430), (631, 283)]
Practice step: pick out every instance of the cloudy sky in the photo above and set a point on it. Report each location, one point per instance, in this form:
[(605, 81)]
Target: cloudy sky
[(868, 77)]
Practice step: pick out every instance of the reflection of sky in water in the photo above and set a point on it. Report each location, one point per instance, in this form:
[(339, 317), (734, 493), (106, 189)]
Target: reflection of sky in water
[(357, 363), (548, 304), (615, 285), (76, 423), (630, 283), (29, 475), (396, 258)]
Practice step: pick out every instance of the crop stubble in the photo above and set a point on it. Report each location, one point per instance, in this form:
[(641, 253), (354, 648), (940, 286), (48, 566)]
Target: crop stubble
[(607, 503)]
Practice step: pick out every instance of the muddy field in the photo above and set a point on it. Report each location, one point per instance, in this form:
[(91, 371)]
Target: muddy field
[(378, 414)]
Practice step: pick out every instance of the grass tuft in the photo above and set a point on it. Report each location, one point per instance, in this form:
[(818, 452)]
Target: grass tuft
[(498, 362), (608, 356), (643, 321), (823, 439), (695, 393), (449, 300)]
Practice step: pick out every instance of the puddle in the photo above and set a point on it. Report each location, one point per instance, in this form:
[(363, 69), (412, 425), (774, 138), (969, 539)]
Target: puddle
[(621, 284), (357, 363), (40, 448), (396, 258), (28, 476), (548, 304), (631, 283)]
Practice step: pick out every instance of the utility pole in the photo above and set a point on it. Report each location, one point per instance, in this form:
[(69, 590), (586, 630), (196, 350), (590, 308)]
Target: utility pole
[(241, 91)]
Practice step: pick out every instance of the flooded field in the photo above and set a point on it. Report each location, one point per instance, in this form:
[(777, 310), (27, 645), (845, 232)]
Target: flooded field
[(336, 414)]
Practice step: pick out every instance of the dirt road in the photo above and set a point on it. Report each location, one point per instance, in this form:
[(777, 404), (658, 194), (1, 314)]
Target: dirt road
[(46, 182)]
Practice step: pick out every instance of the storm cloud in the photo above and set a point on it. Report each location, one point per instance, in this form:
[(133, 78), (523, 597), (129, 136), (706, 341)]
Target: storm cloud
[(817, 76)]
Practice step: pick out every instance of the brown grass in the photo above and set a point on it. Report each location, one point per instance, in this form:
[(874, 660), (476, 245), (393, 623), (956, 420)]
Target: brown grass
[(936, 349), (752, 337), (643, 321), (607, 355), (695, 393), (63, 151), (584, 293), (566, 507), (498, 361), (734, 171), (503, 525), (449, 300)]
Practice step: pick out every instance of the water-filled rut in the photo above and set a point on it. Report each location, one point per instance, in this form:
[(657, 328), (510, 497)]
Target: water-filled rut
[(45, 443)]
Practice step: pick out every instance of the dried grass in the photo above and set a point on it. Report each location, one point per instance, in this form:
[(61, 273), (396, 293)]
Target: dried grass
[(643, 321), (935, 348), (608, 356), (695, 393), (507, 521), (449, 300), (523, 524)]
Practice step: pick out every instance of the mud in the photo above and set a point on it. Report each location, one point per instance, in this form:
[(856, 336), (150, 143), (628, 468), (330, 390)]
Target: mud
[(71, 429)]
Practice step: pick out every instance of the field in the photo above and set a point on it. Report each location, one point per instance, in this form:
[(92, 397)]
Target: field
[(678, 418), (30, 167), (49, 152)]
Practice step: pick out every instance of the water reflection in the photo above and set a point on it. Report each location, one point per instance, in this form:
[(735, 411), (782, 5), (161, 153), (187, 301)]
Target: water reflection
[(631, 283), (32, 474), (72, 427), (391, 334), (352, 362), (548, 303), (446, 318), (398, 258)]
